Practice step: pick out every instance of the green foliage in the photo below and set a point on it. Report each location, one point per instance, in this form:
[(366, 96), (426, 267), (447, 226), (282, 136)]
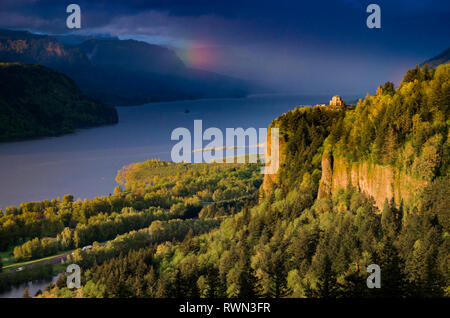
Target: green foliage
[(406, 127), (161, 190), (253, 254), (303, 131), (36, 101), (35, 248), (290, 244), (26, 293)]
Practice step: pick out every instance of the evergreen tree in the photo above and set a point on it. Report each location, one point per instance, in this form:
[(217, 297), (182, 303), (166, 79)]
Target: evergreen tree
[(248, 282), (61, 282), (26, 293), (151, 281), (215, 288), (388, 88), (278, 276), (388, 221), (49, 287), (354, 286), (327, 285), (393, 282)]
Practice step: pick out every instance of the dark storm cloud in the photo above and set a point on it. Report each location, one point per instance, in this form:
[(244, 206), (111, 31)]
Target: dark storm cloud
[(292, 45)]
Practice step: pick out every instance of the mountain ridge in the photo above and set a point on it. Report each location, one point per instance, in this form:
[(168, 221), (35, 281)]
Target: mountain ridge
[(119, 72), (441, 58)]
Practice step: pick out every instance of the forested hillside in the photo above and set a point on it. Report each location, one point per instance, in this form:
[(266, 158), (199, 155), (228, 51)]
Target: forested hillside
[(395, 143), (36, 101), (156, 196), (289, 243)]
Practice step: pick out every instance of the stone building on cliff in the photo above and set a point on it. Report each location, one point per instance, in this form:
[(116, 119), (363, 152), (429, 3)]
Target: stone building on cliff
[(336, 101)]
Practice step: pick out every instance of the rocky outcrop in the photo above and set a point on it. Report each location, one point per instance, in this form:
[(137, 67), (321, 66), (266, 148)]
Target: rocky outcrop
[(270, 179), (377, 181), (327, 174)]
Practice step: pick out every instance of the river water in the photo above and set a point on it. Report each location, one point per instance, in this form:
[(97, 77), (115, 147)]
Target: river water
[(85, 163), (33, 287)]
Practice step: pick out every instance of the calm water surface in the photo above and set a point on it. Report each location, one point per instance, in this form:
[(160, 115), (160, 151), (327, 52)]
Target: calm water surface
[(85, 164), (33, 287)]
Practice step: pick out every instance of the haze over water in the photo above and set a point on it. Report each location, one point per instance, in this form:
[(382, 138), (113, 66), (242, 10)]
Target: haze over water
[(85, 164)]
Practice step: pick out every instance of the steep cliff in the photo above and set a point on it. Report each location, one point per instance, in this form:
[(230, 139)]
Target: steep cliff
[(302, 132), (374, 180), (390, 146), (271, 179)]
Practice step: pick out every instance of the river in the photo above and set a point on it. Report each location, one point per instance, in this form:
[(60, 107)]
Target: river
[(33, 287), (85, 163)]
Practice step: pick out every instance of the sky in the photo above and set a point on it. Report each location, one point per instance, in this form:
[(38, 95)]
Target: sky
[(291, 46)]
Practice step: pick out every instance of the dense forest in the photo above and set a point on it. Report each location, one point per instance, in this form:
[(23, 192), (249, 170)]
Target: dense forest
[(406, 128), (212, 230), (36, 101), (151, 191)]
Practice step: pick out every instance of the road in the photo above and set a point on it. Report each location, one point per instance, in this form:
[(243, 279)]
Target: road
[(52, 260), (47, 260)]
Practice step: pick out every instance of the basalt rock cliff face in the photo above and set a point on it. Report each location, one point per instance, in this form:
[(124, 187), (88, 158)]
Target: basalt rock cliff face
[(374, 180), (378, 181), (390, 146), (302, 132), (271, 179)]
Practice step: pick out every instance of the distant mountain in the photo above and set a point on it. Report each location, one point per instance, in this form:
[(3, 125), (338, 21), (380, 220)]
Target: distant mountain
[(25, 47), (73, 39), (119, 72), (36, 101), (443, 58), (130, 55)]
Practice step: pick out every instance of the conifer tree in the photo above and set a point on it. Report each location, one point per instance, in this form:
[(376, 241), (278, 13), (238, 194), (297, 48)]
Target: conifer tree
[(215, 288), (388, 222), (327, 285), (26, 293)]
